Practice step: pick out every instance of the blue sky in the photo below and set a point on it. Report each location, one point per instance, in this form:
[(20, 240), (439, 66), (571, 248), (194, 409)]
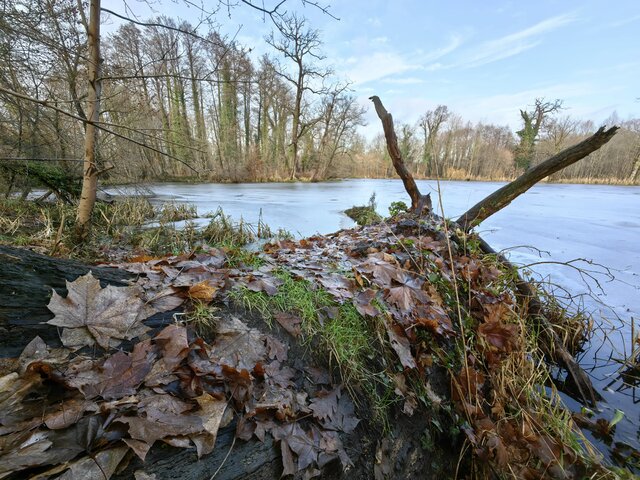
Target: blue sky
[(483, 59)]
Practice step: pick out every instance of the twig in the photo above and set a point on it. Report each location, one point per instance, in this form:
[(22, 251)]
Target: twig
[(224, 459)]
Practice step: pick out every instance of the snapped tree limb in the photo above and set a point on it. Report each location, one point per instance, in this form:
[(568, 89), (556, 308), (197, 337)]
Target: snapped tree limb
[(505, 195), (419, 202)]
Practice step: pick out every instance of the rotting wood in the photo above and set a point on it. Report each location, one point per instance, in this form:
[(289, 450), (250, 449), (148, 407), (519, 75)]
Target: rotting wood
[(419, 203), (552, 347), (505, 195)]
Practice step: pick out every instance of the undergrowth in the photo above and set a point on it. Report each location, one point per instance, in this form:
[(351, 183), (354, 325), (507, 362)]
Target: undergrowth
[(121, 229)]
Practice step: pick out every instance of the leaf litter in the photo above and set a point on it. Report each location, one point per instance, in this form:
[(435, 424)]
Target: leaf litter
[(175, 387)]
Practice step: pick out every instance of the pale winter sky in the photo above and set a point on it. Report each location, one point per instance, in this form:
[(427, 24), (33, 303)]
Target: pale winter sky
[(483, 59)]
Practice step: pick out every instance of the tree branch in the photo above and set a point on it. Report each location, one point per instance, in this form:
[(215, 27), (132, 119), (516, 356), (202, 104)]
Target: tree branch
[(419, 202), (505, 195)]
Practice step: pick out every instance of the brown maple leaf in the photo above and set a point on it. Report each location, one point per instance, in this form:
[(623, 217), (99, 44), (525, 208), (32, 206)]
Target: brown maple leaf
[(362, 302), (92, 314)]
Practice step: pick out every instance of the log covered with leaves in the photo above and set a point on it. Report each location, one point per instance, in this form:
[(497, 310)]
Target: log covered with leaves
[(343, 346)]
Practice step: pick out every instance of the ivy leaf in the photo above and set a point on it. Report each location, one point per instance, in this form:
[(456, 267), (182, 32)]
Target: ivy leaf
[(92, 314)]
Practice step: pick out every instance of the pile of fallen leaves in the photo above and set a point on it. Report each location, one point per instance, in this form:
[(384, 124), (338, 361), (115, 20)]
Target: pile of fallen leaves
[(81, 413), (431, 296)]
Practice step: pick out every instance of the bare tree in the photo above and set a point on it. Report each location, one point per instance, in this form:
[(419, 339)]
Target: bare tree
[(430, 123), (300, 46)]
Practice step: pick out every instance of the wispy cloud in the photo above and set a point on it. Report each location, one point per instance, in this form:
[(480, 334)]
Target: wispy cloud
[(507, 46), (624, 21), (378, 65), (386, 63), (404, 81), (374, 22)]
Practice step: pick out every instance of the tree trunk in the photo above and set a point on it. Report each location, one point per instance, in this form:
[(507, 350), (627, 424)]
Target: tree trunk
[(636, 165), (90, 170), (505, 195)]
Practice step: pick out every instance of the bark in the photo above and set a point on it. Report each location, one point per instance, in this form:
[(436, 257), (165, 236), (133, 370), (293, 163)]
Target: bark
[(90, 170), (419, 202), (505, 195)]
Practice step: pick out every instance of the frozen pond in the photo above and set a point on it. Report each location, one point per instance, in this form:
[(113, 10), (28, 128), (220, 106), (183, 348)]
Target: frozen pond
[(565, 222)]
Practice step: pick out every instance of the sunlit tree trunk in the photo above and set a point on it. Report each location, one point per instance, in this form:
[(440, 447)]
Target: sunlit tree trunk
[(90, 170)]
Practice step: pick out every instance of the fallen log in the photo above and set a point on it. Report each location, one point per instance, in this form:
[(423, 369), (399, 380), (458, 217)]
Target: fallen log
[(493, 203), (27, 279)]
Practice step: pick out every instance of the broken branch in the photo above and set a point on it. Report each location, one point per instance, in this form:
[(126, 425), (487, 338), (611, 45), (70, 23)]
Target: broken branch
[(505, 195), (419, 202)]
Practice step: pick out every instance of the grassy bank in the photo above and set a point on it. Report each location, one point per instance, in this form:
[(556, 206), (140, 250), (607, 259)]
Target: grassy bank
[(412, 320)]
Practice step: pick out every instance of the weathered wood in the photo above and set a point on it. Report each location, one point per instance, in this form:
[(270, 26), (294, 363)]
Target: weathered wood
[(419, 203), (505, 195), (251, 460)]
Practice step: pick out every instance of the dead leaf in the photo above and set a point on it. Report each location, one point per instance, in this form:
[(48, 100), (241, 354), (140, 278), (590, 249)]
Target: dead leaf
[(68, 413), (400, 343), (211, 413), (202, 291), (237, 345), (276, 349), (401, 297), (325, 404), (122, 373), (269, 285), (362, 301), (502, 337), (291, 323), (89, 312), (173, 344), (102, 465)]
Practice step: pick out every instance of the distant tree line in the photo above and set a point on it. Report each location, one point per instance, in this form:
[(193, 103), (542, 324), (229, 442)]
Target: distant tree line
[(176, 102), (180, 103), (442, 144)]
